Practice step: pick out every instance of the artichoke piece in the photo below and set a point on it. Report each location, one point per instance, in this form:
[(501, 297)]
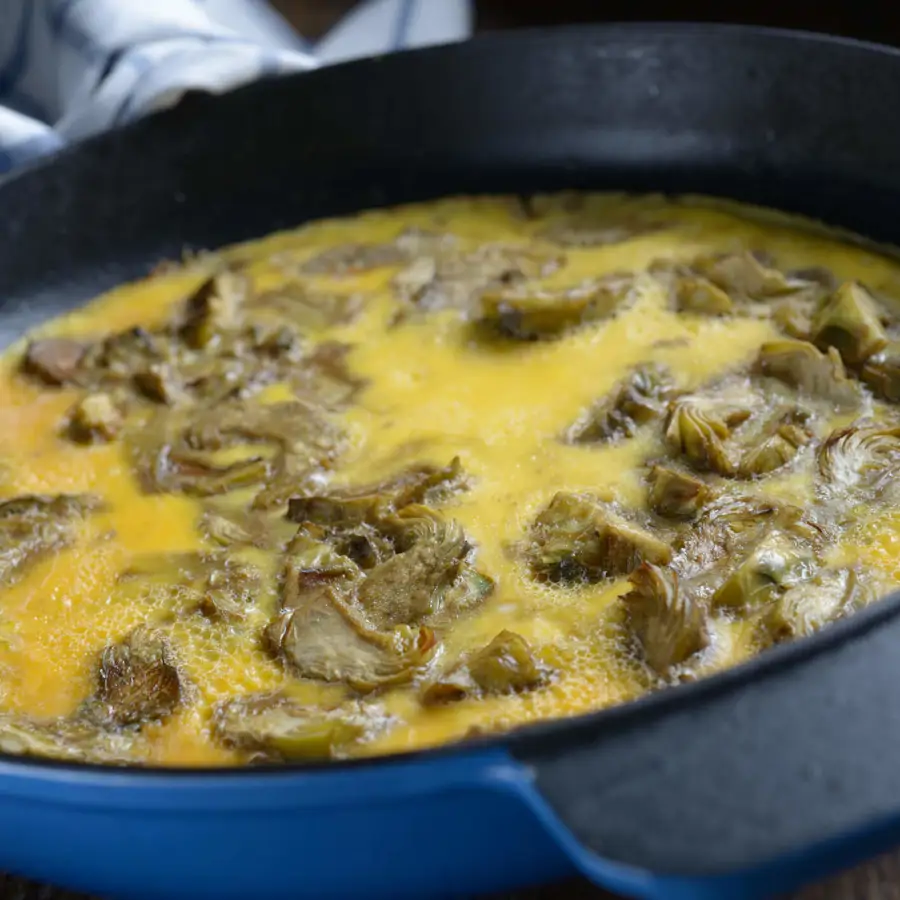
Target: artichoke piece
[(722, 283), (881, 373), (535, 315), (728, 528), (364, 544), (677, 495), (637, 400), (828, 596), (575, 233), (358, 522), (455, 279), (321, 635), (72, 739), (411, 586), (217, 349), (31, 527), (698, 295), (352, 259), (325, 377), (598, 230), (698, 435), (505, 666), (115, 360), (235, 365), (421, 483), (295, 426), (214, 308), (356, 258), (668, 623), (818, 275), (579, 538), (724, 527), (290, 475), (469, 591), (351, 525), (227, 526), (153, 574), (137, 682), (55, 361), (775, 451), (159, 383), (225, 531), (243, 361), (94, 419), (581, 221), (848, 320), (793, 315), (276, 727), (217, 585), (777, 443), (417, 242), (309, 310), (337, 511), (860, 462), (31, 508), (327, 640), (194, 474), (415, 561), (418, 279), (278, 342), (799, 364), (745, 275), (164, 449), (767, 570), (229, 591), (311, 566)]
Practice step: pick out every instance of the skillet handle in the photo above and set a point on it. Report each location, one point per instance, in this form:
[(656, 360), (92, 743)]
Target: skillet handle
[(755, 781)]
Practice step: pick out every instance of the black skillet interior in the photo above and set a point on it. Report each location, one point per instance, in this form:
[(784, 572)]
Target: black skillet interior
[(714, 777)]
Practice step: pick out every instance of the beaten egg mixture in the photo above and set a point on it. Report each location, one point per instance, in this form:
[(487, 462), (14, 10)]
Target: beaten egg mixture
[(570, 387)]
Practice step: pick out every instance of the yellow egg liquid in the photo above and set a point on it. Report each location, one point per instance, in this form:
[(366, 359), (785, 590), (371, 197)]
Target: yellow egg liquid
[(433, 393)]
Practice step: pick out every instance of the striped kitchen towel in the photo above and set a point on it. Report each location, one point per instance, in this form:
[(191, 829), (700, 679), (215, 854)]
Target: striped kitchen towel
[(70, 68)]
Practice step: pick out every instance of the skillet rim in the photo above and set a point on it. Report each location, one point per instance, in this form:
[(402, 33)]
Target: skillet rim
[(157, 119), (655, 705)]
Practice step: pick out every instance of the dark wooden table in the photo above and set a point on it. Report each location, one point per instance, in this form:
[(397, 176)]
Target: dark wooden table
[(877, 880)]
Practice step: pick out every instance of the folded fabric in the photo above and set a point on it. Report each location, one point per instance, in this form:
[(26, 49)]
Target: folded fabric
[(69, 68)]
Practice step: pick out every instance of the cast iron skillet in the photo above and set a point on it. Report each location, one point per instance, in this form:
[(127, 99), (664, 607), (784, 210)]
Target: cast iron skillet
[(750, 782)]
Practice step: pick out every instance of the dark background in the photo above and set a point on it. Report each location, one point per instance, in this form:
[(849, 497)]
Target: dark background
[(864, 19)]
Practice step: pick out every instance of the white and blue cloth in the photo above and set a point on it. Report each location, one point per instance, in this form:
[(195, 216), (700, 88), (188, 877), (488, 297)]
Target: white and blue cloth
[(70, 68)]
